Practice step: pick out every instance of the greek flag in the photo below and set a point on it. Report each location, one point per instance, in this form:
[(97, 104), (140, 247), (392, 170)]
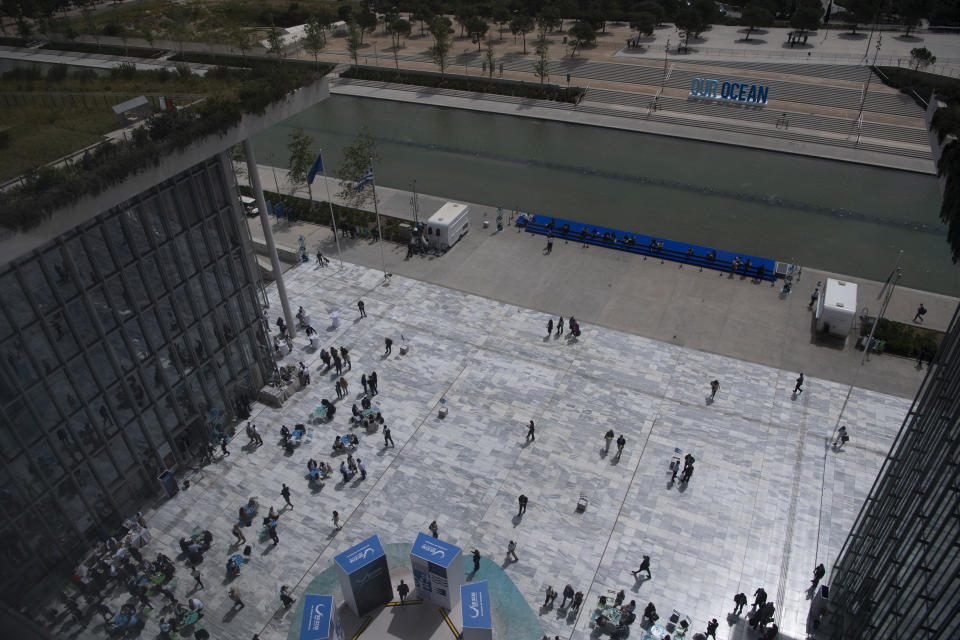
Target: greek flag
[(367, 177)]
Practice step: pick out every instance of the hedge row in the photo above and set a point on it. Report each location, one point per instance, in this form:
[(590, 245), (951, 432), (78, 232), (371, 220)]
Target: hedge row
[(476, 84), (904, 339), (54, 187)]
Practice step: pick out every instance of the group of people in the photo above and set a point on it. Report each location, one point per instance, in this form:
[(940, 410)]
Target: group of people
[(687, 472), (335, 358), (573, 324), (621, 442)]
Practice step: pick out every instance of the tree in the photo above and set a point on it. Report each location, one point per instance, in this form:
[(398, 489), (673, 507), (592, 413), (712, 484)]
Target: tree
[(756, 16), (477, 29), (354, 41), (653, 8), (501, 16), (421, 13), (859, 11), (581, 33), (314, 38), (463, 14), (301, 161), (356, 161), (923, 57), (491, 56), (275, 41), (397, 29), (643, 23), (690, 24), (807, 17), (145, 32), (541, 67), (911, 11), (440, 29), (522, 25), (367, 21), (549, 19), (240, 38)]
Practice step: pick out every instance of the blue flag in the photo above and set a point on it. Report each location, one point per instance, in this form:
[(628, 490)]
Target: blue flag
[(367, 177), (316, 168)]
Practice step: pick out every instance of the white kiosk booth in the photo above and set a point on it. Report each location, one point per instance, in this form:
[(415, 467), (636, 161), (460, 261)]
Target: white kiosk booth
[(475, 602), (320, 620), (837, 307), (437, 570), (364, 576)]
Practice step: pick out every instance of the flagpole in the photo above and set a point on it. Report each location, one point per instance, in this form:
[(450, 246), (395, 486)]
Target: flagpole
[(376, 210), (333, 218)]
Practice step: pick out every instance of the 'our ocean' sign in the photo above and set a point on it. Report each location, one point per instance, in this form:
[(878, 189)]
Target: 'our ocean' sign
[(730, 91)]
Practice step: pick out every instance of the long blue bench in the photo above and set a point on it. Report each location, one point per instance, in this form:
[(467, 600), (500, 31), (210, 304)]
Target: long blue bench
[(718, 259)]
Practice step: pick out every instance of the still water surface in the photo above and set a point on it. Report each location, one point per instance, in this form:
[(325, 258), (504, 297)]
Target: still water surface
[(836, 216)]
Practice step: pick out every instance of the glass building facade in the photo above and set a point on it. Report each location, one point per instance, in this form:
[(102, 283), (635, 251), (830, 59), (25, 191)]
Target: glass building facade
[(898, 574), (122, 342)]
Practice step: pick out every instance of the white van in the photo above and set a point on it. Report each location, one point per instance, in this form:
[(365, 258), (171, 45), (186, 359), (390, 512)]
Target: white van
[(249, 206), (448, 225)]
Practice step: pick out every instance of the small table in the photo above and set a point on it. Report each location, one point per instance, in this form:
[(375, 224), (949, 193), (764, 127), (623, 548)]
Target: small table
[(319, 413), (315, 474), (158, 578), (657, 632), (314, 341), (189, 618), (335, 319), (297, 436)]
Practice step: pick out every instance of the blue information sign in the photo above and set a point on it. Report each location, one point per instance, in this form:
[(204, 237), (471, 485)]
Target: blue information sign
[(317, 618), (475, 603), (364, 576)]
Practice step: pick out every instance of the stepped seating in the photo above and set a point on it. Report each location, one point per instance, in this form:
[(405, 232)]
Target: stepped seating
[(760, 268)]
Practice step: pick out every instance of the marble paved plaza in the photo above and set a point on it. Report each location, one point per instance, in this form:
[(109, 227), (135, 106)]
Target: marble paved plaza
[(769, 498)]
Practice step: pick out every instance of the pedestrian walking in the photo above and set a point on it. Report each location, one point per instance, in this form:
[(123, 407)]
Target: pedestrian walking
[(362, 308), (272, 532), (523, 504), (285, 597), (338, 388), (530, 430), (550, 327), (644, 566), (712, 628), (198, 583), (512, 550), (389, 344), (687, 473), (336, 521), (343, 385), (346, 357), (814, 296), (337, 362), (285, 492), (257, 437), (362, 468), (239, 534), (560, 326), (714, 387), (319, 258), (608, 437), (434, 529), (363, 381), (842, 437), (739, 602), (402, 590), (223, 445), (373, 381), (476, 560), (387, 438), (549, 248), (798, 389), (818, 574), (568, 592), (761, 597), (234, 594), (621, 442), (921, 311)]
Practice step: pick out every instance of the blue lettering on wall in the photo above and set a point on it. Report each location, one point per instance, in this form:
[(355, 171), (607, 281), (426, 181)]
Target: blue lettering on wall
[(748, 93)]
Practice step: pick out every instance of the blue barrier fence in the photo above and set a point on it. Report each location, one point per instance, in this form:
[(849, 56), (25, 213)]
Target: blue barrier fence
[(662, 248)]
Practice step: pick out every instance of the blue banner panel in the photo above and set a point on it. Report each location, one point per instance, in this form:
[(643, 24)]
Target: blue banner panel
[(475, 600), (361, 554), (434, 550), (317, 617)]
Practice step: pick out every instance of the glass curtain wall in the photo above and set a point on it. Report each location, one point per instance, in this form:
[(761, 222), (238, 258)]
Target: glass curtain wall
[(122, 342), (898, 574)]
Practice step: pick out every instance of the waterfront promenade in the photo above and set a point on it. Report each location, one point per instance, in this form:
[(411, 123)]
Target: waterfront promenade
[(708, 311)]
